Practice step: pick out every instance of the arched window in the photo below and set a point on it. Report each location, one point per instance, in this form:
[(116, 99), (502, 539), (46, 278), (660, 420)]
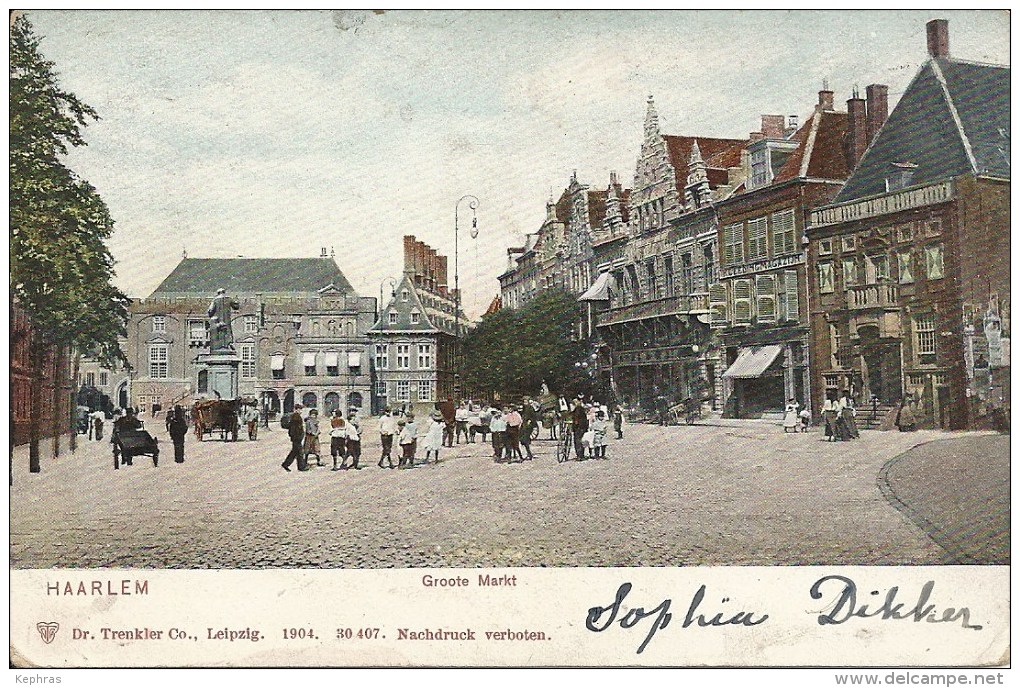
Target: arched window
[(310, 400)]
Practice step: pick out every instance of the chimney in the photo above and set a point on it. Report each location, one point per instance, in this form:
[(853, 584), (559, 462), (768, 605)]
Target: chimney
[(755, 136), (443, 267), (857, 130), (773, 126), (826, 99), (408, 253), (878, 108), (793, 122), (938, 38), (323, 254)]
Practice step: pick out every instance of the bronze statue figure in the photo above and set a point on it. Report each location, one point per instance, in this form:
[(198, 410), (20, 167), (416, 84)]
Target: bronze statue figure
[(221, 334)]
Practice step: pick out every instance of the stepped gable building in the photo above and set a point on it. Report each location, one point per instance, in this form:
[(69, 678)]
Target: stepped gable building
[(909, 266), (300, 334), (416, 339), (655, 257), (759, 304)]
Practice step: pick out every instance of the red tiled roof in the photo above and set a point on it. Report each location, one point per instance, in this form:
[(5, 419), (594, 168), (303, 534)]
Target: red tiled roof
[(496, 305), (827, 158), (597, 208), (718, 153)]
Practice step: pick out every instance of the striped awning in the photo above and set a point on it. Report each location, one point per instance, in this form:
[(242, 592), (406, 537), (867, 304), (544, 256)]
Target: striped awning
[(753, 361)]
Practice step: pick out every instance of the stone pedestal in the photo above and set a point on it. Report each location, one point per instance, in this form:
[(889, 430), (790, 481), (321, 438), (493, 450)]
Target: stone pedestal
[(222, 369)]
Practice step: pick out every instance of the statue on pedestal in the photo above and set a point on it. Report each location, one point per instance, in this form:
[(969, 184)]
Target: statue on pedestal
[(221, 334)]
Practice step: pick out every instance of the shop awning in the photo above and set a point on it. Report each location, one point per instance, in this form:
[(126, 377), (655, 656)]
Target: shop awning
[(752, 362), (353, 359), (599, 290), (276, 362), (308, 360), (332, 359)]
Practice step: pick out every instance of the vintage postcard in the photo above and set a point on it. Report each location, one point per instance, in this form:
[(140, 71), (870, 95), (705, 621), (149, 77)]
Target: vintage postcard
[(511, 339)]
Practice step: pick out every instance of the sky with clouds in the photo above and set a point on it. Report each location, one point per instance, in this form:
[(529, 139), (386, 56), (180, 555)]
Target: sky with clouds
[(275, 133)]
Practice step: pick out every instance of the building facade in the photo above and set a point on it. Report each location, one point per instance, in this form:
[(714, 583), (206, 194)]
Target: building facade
[(416, 339), (300, 333), (659, 259), (759, 304), (909, 266), (45, 393)]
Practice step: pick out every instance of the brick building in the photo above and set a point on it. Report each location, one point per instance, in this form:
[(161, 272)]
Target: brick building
[(759, 303), (909, 266), (300, 334), (416, 339), (53, 384)]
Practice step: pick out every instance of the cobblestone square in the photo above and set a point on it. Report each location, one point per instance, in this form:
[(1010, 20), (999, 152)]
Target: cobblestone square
[(732, 493)]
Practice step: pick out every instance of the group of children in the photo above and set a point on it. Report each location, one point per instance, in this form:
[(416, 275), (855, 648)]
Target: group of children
[(344, 439)]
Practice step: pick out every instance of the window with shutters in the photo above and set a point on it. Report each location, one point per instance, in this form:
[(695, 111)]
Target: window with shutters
[(784, 233), (826, 278), (733, 244), (924, 336), (791, 295), (933, 261), (905, 264), (765, 286), (849, 272), (741, 302), (757, 242), (717, 303)]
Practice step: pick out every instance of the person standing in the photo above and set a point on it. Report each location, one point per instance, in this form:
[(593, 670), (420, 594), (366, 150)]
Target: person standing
[(353, 442), (849, 415), (387, 429), (296, 432), (791, 418), (338, 440), (408, 439), (618, 421), (905, 419), (448, 411), (461, 421), (474, 423), (830, 414), (600, 435), (514, 421), (579, 426), (497, 426), (96, 421), (312, 436), (436, 436), (250, 417), (528, 425), (177, 426)]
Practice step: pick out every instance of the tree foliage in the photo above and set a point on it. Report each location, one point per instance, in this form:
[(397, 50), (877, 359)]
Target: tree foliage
[(60, 266), (511, 352)]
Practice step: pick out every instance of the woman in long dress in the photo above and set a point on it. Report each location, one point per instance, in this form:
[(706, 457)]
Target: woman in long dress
[(791, 419), (830, 413), (434, 437), (848, 415)]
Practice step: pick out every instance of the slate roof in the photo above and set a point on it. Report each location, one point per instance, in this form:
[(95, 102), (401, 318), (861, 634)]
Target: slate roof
[(952, 120), (203, 276), (426, 323)]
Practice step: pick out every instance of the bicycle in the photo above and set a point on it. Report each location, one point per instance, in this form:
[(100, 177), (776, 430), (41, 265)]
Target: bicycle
[(565, 444)]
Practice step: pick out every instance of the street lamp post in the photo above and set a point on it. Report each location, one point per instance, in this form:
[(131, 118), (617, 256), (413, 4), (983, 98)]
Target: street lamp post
[(473, 204)]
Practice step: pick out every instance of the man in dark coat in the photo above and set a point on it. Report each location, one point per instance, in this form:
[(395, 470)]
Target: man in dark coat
[(296, 432), (579, 426), (177, 426)]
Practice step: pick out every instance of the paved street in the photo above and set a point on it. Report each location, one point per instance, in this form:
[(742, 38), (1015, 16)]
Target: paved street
[(957, 490), (740, 493)]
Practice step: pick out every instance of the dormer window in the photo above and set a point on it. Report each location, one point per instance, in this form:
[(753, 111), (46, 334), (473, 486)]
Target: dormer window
[(415, 317), (901, 176), (393, 318), (403, 295), (159, 323)]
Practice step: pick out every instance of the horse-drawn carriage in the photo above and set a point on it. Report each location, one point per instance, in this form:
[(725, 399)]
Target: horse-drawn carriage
[(549, 413), (216, 414)]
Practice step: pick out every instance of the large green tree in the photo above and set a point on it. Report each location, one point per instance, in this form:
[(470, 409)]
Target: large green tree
[(512, 352), (60, 267)]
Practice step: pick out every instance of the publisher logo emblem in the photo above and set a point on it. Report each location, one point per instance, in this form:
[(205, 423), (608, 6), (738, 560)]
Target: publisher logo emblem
[(48, 630)]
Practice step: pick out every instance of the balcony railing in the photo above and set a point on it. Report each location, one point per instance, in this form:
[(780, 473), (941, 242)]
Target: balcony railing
[(872, 296), (883, 204), (656, 308)]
